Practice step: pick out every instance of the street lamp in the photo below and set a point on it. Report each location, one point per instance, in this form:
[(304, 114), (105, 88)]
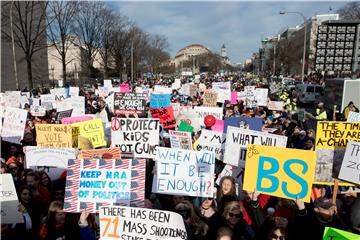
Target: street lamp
[(304, 50)]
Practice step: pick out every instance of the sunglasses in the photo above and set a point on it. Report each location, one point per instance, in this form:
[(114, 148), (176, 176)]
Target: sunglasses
[(235, 215), (274, 236)]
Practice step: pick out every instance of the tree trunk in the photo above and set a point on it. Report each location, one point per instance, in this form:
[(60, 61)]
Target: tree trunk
[(106, 67), (64, 69), (29, 73)]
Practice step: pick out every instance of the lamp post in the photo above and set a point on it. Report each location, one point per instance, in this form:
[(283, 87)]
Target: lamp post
[(132, 61), (304, 50)]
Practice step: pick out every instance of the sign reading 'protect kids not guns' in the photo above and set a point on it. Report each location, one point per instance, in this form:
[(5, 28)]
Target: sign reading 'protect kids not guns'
[(280, 172)]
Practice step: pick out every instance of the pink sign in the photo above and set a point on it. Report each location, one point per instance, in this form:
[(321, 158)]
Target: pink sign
[(218, 126), (124, 88), (233, 98), (70, 120)]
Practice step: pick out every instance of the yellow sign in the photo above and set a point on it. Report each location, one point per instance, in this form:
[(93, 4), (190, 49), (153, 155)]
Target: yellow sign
[(280, 172), (331, 142), (92, 130), (53, 135)]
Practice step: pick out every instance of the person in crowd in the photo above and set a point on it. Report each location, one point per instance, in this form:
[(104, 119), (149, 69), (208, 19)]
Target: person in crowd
[(16, 169), (278, 233), (320, 112), (41, 194), (226, 192), (349, 108), (224, 233)]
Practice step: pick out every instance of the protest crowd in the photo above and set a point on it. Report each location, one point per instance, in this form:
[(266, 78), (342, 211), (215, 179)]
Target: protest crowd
[(210, 157)]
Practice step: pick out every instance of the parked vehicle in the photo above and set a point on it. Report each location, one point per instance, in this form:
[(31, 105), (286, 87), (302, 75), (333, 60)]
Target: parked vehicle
[(308, 93)]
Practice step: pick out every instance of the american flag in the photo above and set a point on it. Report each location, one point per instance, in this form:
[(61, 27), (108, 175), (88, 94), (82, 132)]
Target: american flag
[(106, 163)]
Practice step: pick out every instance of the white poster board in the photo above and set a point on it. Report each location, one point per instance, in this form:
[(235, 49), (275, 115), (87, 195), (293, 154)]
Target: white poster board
[(350, 170), (353, 117), (202, 112), (9, 201), (49, 157), (261, 96), (223, 89), (74, 91), (180, 140), (14, 125), (77, 104), (212, 141)]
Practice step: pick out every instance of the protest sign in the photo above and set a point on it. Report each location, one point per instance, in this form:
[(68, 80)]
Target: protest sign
[(241, 96), (124, 88), (105, 153), (37, 111), (53, 135), (50, 157), (165, 115), (14, 125), (35, 102), (180, 140), (193, 90), (159, 100), (91, 183), (77, 104), (103, 91), (202, 112), (261, 96), (218, 126), (108, 83), (350, 167), (185, 127), (92, 130), (140, 223), (234, 97), (213, 142), (243, 123), (74, 91), (334, 234), (331, 141), (71, 120), (59, 93), (138, 137), (250, 96), (60, 83), (177, 109), (176, 84), (223, 89), (353, 117), (129, 103), (63, 114), (210, 99), (162, 89), (12, 99), (275, 105), (237, 140), (9, 201), (280, 172), (184, 172), (190, 117)]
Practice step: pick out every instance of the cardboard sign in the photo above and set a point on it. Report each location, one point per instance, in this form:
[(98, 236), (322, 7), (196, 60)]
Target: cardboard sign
[(350, 167), (159, 100), (334, 233), (193, 90), (105, 153), (243, 123), (353, 117), (275, 105), (180, 140), (63, 114), (14, 125), (129, 103), (261, 96), (137, 137), (53, 135), (92, 130), (140, 223), (37, 111), (280, 172), (237, 140), (71, 120), (184, 172), (124, 88), (213, 142), (50, 157), (165, 115), (223, 89), (210, 99), (9, 201), (331, 141), (91, 183), (202, 112)]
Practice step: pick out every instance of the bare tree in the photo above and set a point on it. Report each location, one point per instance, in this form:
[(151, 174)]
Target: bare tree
[(156, 53), (350, 11), (61, 16), (29, 29)]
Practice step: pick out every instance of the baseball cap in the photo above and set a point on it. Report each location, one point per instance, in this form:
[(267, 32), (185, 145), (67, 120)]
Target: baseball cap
[(323, 202)]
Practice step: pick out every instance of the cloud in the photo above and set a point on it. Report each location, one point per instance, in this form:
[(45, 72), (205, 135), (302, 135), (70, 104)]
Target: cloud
[(238, 25)]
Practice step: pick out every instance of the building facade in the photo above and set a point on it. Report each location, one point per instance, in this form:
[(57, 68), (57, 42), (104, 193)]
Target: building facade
[(186, 53)]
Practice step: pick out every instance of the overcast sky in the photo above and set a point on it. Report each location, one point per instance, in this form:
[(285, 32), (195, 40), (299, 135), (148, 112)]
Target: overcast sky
[(238, 25)]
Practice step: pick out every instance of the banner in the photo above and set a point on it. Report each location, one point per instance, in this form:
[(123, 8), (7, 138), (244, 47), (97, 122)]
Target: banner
[(14, 125), (184, 172), (137, 137), (71, 120), (140, 223), (213, 142), (124, 88), (350, 167), (159, 100), (243, 123), (210, 99), (105, 153), (129, 103), (331, 141), (202, 112), (334, 234), (275, 105), (261, 96), (237, 140), (53, 135), (180, 140), (49, 157), (9, 201), (92, 130), (280, 172), (223, 89), (165, 115), (91, 183)]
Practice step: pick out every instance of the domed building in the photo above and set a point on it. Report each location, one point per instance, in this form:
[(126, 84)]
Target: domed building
[(187, 52)]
